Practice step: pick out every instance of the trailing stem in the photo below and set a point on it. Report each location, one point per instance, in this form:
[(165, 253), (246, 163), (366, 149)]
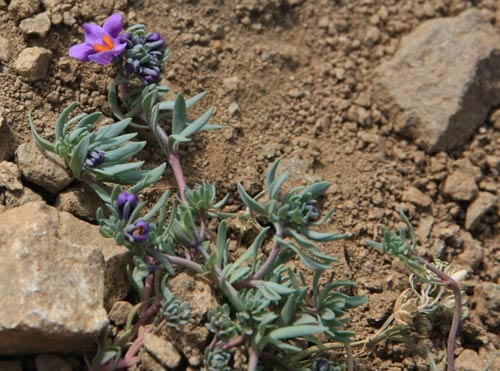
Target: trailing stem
[(253, 359)]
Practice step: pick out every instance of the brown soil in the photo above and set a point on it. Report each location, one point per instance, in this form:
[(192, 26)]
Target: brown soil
[(300, 72)]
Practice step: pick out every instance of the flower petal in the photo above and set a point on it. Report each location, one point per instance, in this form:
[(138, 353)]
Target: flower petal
[(113, 25), (93, 33), (81, 51), (118, 48), (102, 58)]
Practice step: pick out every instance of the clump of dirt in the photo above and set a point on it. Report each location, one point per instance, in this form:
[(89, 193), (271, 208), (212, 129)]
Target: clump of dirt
[(292, 80)]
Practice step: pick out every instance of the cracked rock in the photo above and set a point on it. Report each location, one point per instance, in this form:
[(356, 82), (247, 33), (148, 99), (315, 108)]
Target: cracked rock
[(442, 82)]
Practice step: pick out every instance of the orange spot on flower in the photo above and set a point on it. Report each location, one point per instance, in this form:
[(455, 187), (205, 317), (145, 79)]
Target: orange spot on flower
[(108, 45)]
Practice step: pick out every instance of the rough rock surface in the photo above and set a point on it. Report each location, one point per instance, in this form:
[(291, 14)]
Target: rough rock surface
[(10, 366), (10, 176), (460, 186), (162, 350), (38, 25), (32, 63), (52, 289), (487, 298), (17, 198), (417, 197), (80, 201), (5, 50), (38, 169), (21, 9), (473, 251), (119, 312), (51, 363), (5, 136), (484, 202), (469, 360), (443, 80)]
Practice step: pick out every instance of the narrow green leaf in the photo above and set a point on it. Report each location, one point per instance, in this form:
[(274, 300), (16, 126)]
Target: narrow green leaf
[(45, 144), (123, 153), (317, 189), (291, 332), (89, 120), (79, 156), (221, 252), (112, 142), (111, 131), (271, 173), (249, 201), (112, 170), (113, 103), (169, 105), (288, 310), (197, 124), (159, 204), (323, 237), (63, 117), (179, 115), (150, 177)]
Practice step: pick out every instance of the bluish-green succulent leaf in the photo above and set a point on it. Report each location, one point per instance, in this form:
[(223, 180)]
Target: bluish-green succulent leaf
[(159, 204), (79, 156), (355, 301), (113, 130), (197, 125), (89, 121), (149, 177), (276, 186), (271, 174), (249, 201), (305, 319), (169, 105), (323, 237), (123, 153), (113, 170), (114, 106), (72, 121), (251, 252), (104, 145), (292, 332), (317, 189), (179, 115), (45, 144), (221, 252), (61, 120), (288, 311)]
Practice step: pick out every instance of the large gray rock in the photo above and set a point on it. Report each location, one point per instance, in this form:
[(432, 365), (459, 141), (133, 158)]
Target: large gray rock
[(38, 169), (443, 80), (52, 281)]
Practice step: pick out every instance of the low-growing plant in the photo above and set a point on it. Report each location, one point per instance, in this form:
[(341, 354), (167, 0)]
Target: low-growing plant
[(266, 306)]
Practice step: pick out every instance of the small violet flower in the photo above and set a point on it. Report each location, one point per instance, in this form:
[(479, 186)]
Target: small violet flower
[(126, 203), (95, 158), (101, 44), (138, 232)]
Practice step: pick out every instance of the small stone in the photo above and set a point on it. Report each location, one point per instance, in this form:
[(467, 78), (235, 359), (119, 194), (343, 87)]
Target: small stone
[(424, 228), (487, 300), (32, 63), (119, 312), (36, 168), (460, 186), (21, 9), (469, 360), (484, 202), (295, 93), (233, 109), (38, 25), (194, 290), (231, 84), (5, 50), (472, 253), (373, 34), (10, 176), (52, 362), (162, 350), (416, 197)]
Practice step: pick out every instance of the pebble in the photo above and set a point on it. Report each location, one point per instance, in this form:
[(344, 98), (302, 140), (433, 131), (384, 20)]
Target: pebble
[(162, 350), (21, 9), (460, 186), (38, 25), (5, 50), (416, 197), (233, 109), (10, 176), (119, 312), (32, 63)]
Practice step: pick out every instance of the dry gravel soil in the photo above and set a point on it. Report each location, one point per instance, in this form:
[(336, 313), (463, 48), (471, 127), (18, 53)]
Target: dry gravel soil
[(292, 79)]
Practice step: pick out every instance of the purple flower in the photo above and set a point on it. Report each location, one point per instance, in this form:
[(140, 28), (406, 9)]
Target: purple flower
[(138, 232), (94, 158), (101, 44), (126, 203)]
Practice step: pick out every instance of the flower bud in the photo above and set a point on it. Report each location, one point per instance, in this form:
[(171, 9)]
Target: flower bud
[(94, 158), (138, 232), (126, 203)]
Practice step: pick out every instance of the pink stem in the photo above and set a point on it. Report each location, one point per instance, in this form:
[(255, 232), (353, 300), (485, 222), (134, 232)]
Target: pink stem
[(455, 323), (175, 164)]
